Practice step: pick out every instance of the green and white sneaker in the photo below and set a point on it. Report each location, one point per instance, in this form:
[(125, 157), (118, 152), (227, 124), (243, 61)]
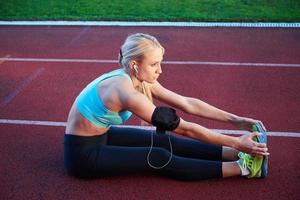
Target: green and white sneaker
[(252, 163)]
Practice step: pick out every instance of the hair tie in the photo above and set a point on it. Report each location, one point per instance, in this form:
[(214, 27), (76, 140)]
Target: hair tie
[(121, 53)]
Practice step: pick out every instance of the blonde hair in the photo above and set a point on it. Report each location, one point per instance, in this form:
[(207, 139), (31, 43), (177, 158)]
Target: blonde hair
[(134, 48)]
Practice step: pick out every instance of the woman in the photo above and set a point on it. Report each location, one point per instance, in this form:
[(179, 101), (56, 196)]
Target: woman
[(95, 148)]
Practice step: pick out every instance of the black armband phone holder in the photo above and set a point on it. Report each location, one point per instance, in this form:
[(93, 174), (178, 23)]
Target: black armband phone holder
[(165, 119)]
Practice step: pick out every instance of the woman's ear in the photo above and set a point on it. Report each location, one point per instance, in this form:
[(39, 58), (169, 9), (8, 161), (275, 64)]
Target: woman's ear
[(131, 64)]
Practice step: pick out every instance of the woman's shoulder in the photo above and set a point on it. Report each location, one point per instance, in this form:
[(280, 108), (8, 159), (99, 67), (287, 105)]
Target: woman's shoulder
[(116, 87)]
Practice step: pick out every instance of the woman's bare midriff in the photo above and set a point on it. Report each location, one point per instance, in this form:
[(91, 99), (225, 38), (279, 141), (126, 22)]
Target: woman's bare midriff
[(78, 125)]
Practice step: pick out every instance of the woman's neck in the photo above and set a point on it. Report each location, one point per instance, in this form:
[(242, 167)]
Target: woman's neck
[(135, 81)]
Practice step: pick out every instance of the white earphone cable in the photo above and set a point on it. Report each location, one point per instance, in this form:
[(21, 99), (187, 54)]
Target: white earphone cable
[(151, 147)]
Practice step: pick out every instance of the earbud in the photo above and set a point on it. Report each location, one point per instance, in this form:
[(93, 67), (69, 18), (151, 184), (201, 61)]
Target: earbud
[(135, 68)]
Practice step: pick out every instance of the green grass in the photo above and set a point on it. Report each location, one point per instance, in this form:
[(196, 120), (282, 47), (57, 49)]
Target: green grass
[(152, 10)]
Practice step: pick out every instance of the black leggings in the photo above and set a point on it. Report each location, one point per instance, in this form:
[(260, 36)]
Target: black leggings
[(124, 150)]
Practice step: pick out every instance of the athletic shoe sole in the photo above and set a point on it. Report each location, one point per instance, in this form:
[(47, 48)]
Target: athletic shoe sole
[(262, 138)]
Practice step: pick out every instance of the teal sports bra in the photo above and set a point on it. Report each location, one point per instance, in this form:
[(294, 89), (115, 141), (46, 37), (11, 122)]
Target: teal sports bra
[(91, 107)]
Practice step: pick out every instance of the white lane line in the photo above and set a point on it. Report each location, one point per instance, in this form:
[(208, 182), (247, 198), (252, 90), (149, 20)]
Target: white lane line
[(151, 24), (2, 61), (29, 122), (164, 62), (63, 124), (58, 60), (232, 64), (7, 99)]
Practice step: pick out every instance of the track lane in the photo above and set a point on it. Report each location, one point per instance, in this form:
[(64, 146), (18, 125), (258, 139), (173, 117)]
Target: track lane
[(269, 94), (264, 45)]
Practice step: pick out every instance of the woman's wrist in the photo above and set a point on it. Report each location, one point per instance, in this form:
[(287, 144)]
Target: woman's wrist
[(235, 143)]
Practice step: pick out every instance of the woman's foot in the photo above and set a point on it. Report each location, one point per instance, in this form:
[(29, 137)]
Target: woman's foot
[(251, 166)]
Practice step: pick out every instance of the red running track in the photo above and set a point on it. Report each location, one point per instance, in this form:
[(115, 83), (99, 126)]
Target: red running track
[(32, 163)]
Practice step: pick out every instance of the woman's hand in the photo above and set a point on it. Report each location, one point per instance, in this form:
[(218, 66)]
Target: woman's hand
[(247, 145), (246, 123)]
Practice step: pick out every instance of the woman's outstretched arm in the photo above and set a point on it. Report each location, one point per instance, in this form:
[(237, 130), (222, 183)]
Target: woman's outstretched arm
[(200, 108), (143, 108), (243, 143)]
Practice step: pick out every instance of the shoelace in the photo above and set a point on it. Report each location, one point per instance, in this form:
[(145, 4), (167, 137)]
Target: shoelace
[(247, 161)]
